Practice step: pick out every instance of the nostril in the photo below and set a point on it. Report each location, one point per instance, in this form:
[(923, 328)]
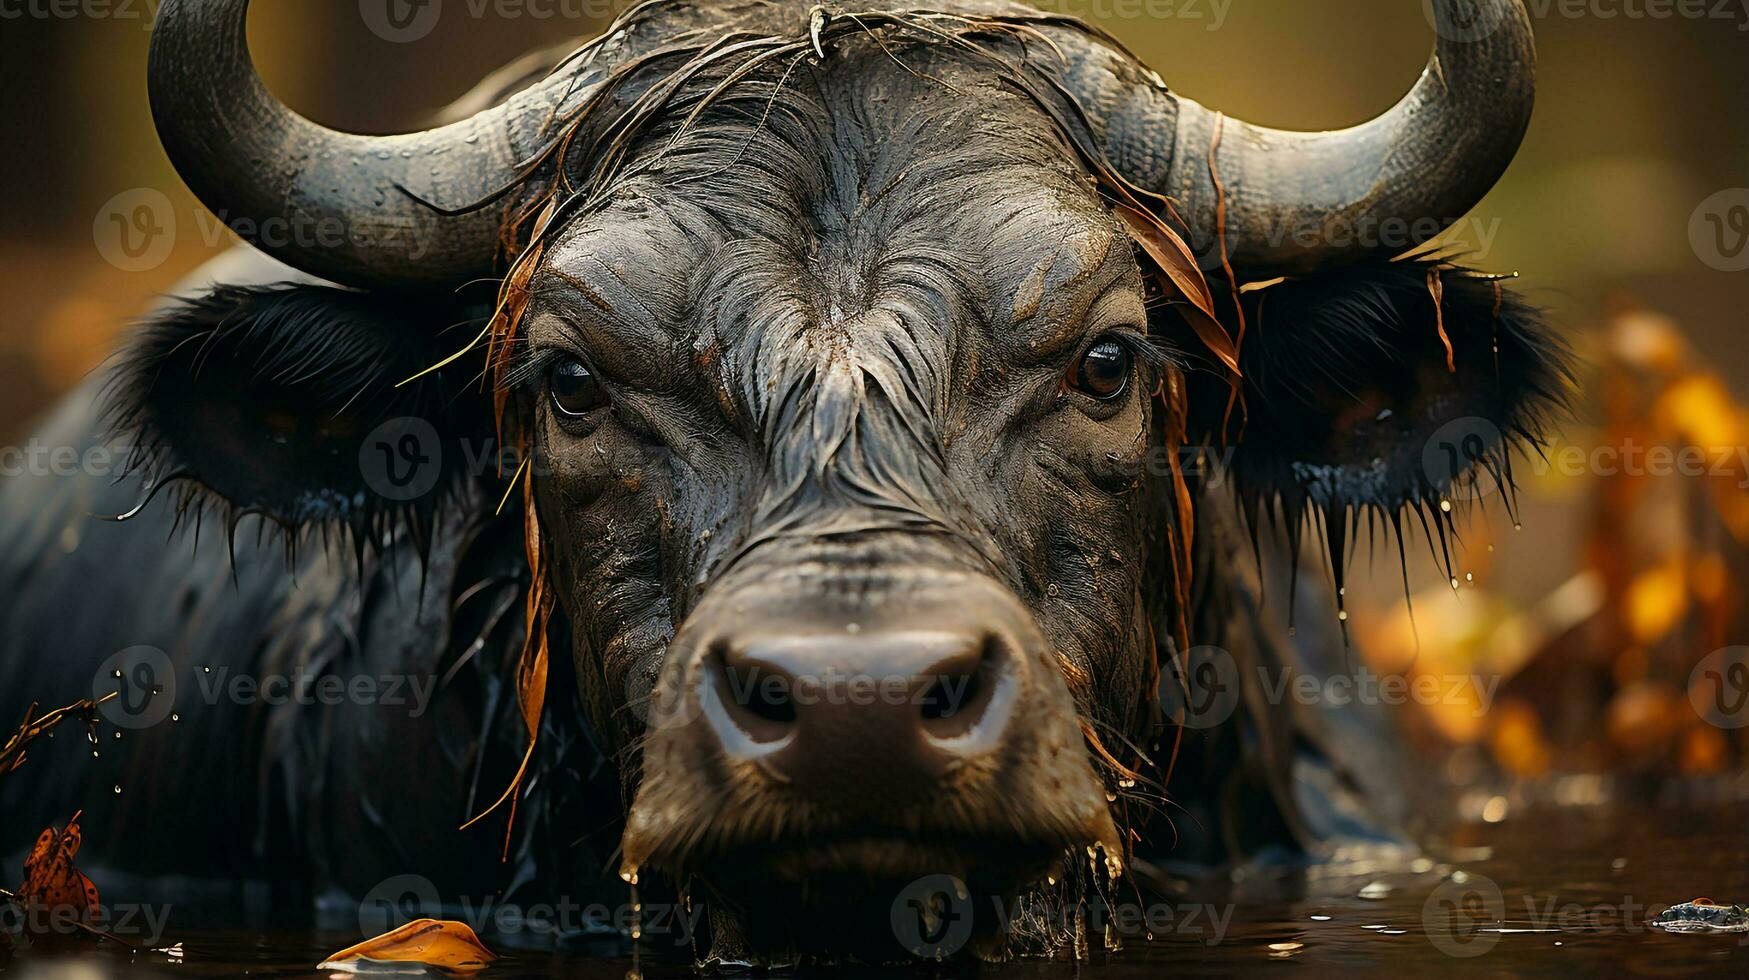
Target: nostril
[(758, 699), (957, 695), (945, 697), (766, 697)]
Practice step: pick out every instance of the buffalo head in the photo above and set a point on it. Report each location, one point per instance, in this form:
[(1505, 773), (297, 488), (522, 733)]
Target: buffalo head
[(856, 361)]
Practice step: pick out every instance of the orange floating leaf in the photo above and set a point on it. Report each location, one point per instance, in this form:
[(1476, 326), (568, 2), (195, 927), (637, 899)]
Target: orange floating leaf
[(444, 946), (54, 891)]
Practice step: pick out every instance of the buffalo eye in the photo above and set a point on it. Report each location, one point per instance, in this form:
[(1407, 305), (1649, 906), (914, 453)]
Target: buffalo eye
[(574, 390), (1103, 372)]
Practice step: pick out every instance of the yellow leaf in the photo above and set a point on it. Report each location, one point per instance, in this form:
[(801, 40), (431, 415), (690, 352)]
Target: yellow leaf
[(1518, 740), (1700, 410), (450, 947), (1656, 601)]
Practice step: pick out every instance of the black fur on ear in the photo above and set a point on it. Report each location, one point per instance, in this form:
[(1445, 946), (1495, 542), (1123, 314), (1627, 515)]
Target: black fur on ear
[(294, 402), (1365, 398)]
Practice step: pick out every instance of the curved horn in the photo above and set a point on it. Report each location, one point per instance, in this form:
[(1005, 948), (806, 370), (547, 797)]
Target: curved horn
[(357, 210), (1297, 201)]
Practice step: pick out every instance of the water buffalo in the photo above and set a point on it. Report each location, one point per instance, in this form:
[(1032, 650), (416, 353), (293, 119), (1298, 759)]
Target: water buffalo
[(858, 430)]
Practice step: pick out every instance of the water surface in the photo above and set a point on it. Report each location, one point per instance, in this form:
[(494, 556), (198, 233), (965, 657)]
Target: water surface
[(1560, 891)]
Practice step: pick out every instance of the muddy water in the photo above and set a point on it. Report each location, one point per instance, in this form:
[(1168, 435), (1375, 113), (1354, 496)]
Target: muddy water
[(1567, 892)]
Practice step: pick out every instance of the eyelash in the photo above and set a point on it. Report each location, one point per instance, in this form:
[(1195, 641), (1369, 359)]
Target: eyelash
[(1149, 353), (530, 373)]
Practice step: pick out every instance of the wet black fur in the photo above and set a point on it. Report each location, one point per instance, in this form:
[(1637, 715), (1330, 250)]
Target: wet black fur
[(1350, 409), (206, 389), (1368, 338)]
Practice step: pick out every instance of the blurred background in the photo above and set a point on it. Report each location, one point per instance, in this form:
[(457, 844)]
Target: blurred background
[(1625, 214)]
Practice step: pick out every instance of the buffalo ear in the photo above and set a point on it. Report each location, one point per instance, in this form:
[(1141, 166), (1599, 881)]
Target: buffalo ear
[(1354, 401), (288, 401)]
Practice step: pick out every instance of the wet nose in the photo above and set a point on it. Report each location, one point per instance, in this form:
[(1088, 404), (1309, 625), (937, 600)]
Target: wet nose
[(848, 714)]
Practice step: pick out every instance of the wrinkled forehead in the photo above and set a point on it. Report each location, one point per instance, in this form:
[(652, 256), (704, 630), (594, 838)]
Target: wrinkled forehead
[(842, 192)]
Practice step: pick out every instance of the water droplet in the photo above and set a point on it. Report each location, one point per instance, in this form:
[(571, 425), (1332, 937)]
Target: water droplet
[(1445, 506), (118, 789), (1469, 576), (1342, 615), (1320, 918), (175, 717), (1454, 584)]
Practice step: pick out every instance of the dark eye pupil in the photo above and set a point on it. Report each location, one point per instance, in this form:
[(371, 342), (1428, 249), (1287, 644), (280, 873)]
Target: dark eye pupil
[(575, 390), (1104, 370)]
